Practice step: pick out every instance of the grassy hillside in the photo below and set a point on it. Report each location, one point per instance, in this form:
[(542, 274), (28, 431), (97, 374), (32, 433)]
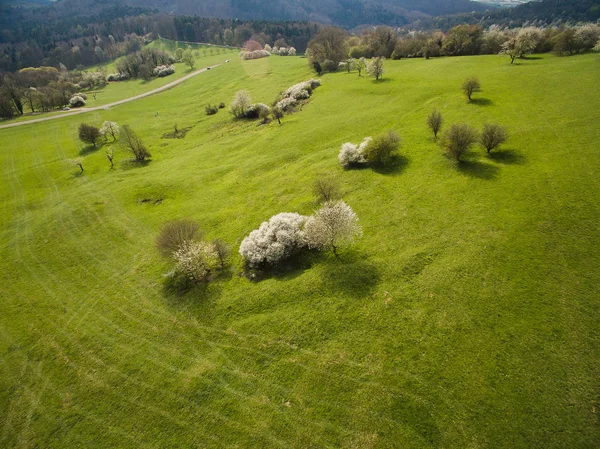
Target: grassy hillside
[(466, 317)]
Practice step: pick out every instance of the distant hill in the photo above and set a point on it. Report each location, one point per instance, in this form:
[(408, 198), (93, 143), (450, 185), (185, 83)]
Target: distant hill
[(345, 13)]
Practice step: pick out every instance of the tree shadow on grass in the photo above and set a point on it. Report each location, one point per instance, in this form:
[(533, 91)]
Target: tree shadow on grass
[(382, 80), (509, 157), (352, 275), (289, 269), (199, 299), (397, 164), (89, 149), (481, 101), (132, 163), (476, 169)]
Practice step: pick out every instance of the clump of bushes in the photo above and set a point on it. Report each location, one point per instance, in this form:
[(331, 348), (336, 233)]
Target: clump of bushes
[(458, 139), (163, 70), (77, 101), (296, 93), (194, 259), (256, 54), (258, 110), (221, 105), (118, 77), (333, 225), (274, 241), (376, 152), (211, 110), (281, 51)]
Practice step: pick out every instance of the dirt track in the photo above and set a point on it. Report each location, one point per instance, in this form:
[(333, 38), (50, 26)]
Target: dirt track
[(109, 105)]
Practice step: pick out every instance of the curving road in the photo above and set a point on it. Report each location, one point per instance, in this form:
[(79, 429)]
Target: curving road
[(116, 103)]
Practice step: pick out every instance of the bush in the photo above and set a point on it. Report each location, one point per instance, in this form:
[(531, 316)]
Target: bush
[(493, 135), (434, 121), (375, 67), (297, 92), (470, 86), (333, 225), (196, 260), (241, 102), (221, 105), (134, 144), (77, 101), (109, 129), (118, 77), (353, 155), (89, 134), (274, 241), (211, 110), (326, 189), (379, 150), (256, 54), (258, 110), (163, 70), (458, 139), (174, 233)]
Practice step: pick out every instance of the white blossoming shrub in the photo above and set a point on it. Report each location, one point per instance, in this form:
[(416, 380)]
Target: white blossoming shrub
[(117, 77), (76, 101), (274, 241), (163, 70), (256, 54), (332, 226), (352, 155), (196, 260), (287, 104), (268, 48), (292, 51), (109, 129), (297, 92), (257, 110)]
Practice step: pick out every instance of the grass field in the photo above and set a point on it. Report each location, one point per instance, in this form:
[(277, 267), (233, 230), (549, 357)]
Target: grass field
[(466, 317)]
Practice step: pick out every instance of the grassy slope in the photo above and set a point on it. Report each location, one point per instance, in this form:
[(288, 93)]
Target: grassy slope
[(466, 317)]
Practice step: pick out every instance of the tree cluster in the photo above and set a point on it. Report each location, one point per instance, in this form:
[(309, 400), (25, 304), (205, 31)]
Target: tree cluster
[(375, 152)]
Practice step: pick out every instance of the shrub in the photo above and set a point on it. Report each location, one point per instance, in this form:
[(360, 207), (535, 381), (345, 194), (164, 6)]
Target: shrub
[(174, 233), (109, 129), (196, 260), (89, 134), (470, 86), (333, 225), (434, 121), (375, 67), (458, 139), (326, 189), (77, 101), (241, 102), (211, 110), (277, 113), (256, 54), (134, 144), (118, 77), (222, 250), (329, 66), (163, 70), (353, 155), (274, 241), (379, 150), (258, 110), (297, 92), (221, 105), (493, 135)]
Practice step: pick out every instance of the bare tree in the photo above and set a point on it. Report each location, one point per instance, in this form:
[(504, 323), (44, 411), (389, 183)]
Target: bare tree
[(493, 135), (470, 86), (77, 162), (174, 233), (434, 121), (110, 155), (89, 134), (222, 250), (333, 225), (326, 189), (458, 139), (133, 143)]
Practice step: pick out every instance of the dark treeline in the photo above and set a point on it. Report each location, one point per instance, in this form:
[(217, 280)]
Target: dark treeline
[(81, 42), (538, 13)]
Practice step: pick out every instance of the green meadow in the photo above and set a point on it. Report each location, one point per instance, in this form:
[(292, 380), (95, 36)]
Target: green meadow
[(465, 317)]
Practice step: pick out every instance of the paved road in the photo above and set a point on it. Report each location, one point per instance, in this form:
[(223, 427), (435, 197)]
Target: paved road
[(116, 103)]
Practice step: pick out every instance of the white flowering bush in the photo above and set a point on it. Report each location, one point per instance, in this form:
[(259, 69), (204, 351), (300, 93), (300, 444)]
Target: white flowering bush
[(76, 101), (258, 110), (109, 129), (163, 70), (274, 241), (268, 48), (297, 92), (287, 104), (256, 54), (118, 77), (353, 155), (292, 51), (196, 260), (332, 226)]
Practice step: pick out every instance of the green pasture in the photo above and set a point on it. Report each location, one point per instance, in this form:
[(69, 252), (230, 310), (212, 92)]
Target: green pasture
[(466, 317)]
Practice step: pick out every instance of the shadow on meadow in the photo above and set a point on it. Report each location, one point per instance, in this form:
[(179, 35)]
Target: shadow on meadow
[(476, 169), (481, 101), (89, 149), (351, 275), (382, 80), (397, 165), (508, 157)]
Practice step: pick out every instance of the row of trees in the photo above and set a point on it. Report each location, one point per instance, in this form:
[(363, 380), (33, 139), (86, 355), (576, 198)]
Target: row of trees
[(332, 45)]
